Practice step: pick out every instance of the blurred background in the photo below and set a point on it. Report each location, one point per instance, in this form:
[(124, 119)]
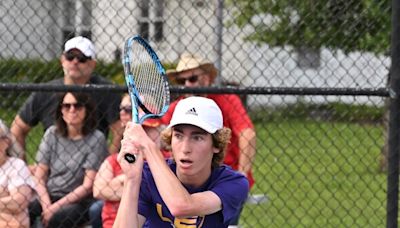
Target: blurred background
[(320, 158)]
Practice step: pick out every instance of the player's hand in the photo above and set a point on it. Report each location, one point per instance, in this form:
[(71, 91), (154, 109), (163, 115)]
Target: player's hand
[(130, 144)]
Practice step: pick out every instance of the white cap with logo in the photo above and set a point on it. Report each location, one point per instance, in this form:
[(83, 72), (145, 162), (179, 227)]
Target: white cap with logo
[(82, 44), (198, 111)]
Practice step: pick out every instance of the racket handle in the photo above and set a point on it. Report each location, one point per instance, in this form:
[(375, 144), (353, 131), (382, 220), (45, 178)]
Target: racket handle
[(131, 158)]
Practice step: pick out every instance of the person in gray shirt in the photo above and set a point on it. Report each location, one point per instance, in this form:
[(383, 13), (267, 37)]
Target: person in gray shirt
[(68, 158)]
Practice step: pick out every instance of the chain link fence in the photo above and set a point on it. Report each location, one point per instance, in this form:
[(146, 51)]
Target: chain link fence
[(312, 75)]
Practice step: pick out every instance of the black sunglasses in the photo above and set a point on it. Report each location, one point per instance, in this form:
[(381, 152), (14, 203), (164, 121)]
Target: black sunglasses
[(127, 109), (68, 106), (70, 56), (191, 79)]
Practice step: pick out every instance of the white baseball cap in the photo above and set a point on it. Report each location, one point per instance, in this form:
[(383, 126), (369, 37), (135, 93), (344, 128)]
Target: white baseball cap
[(82, 44), (198, 111)]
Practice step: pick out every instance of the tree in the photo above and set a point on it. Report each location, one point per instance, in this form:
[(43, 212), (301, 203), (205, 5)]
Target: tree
[(348, 25)]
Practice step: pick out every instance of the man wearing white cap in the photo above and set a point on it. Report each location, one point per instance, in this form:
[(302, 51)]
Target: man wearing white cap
[(78, 63), (193, 189), (194, 71)]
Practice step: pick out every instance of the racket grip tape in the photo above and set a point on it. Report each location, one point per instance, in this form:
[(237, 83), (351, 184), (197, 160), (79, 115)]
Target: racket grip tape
[(131, 158)]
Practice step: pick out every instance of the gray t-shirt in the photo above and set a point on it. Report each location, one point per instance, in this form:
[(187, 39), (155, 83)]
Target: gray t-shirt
[(69, 159)]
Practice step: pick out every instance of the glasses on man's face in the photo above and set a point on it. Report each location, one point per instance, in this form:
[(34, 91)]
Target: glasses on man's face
[(68, 106), (127, 109), (70, 56), (191, 79)]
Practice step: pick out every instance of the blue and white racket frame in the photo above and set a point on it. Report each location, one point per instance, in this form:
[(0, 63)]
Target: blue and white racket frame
[(133, 93), (130, 82)]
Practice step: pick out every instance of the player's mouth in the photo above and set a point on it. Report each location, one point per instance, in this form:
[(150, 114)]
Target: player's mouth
[(186, 163)]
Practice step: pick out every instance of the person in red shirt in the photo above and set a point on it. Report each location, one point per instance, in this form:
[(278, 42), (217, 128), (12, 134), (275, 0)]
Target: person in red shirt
[(109, 181), (194, 71)]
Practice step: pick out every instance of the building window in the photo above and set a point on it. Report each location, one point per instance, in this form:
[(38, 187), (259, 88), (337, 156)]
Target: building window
[(151, 21)]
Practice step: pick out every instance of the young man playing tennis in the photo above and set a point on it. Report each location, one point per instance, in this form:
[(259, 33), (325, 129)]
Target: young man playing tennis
[(194, 71), (193, 190)]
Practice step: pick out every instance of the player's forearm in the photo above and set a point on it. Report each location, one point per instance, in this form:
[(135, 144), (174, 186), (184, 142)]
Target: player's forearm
[(247, 145), (175, 196), (127, 216)]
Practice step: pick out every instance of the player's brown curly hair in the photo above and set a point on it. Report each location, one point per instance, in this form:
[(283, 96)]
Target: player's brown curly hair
[(220, 138)]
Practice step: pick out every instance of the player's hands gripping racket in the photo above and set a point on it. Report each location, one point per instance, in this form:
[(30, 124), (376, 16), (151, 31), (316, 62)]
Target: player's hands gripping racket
[(147, 83)]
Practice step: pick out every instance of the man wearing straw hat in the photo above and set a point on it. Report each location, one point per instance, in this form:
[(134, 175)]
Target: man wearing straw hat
[(194, 71)]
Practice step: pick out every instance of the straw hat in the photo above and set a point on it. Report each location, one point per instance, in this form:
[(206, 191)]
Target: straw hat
[(190, 61)]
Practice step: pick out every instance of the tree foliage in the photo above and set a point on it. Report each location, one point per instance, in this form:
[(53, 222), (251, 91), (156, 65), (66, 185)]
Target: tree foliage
[(348, 25)]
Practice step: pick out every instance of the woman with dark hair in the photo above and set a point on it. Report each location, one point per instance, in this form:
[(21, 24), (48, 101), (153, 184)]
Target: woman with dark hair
[(16, 184), (69, 156)]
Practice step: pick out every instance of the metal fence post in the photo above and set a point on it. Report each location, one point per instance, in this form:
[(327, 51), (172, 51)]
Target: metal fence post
[(394, 121)]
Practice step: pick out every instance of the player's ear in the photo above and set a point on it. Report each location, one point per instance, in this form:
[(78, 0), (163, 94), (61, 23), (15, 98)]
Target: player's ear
[(215, 150)]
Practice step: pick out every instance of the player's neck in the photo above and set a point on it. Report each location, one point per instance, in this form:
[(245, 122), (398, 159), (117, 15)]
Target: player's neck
[(194, 181)]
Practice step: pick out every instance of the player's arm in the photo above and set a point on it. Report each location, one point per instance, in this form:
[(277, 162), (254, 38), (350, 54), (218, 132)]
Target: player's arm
[(106, 186), (20, 130), (127, 216), (178, 200), (247, 146)]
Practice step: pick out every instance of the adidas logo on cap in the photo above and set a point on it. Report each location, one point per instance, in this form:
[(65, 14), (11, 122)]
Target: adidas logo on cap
[(192, 111)]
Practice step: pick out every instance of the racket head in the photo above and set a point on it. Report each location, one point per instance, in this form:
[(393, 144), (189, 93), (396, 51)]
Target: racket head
[(146, 80)]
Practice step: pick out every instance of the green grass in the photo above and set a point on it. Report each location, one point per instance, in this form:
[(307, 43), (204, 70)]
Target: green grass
[(318, 174)]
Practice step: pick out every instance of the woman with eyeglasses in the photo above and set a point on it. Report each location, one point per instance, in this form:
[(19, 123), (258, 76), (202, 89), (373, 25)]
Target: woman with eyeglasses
[(16, 184), (69, 156), (109, 180)]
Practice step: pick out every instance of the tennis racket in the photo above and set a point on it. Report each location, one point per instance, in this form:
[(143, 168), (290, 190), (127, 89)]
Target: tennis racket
[(147, 82)]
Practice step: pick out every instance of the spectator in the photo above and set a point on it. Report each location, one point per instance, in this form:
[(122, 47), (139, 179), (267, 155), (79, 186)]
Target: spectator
[(109, 180), (16, 184), (78, 63), (193, 71), (69, 156), (194, 190)]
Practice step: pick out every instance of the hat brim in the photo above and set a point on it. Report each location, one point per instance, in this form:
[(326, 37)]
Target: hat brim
[(208, 67)]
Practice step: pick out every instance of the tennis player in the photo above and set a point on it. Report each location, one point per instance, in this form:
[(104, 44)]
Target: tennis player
[(194, 189)]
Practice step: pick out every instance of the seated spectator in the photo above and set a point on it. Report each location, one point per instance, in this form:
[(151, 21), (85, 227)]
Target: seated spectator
[(16, 184), (109, 181), (69, 156)]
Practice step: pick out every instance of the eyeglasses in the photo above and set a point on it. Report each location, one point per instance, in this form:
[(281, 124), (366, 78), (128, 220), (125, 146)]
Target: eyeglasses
[(127, 109), (191, 79), (70, 56), (68, 106)]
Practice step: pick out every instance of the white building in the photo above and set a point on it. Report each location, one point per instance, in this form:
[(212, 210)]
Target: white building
[(38, 28)]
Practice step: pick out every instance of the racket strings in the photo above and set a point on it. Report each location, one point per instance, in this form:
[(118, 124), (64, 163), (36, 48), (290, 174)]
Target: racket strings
[(149, 82)]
